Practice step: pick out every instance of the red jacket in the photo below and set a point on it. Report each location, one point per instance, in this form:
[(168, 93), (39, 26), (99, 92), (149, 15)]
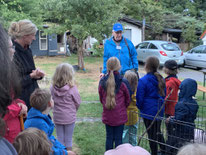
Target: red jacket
[(12, 120), (171, 83)]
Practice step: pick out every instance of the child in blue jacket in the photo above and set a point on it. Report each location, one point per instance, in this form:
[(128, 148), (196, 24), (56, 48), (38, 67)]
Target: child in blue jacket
[(150, 97), (38, 117), (185, 115)]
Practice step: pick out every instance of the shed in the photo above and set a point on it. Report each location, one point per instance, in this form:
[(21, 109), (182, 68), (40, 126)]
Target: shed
[(49, 45)]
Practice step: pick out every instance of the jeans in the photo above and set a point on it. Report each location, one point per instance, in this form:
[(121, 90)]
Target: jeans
[(113, 135)]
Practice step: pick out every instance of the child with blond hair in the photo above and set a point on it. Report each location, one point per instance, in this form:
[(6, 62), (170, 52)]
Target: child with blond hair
[(66, 103), (130, 128), (115, 98), (42, 103)]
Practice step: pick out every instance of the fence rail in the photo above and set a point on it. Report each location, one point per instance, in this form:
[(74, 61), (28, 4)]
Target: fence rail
[(173, 134)]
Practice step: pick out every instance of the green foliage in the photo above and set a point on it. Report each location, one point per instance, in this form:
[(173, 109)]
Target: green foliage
[(98, 50), (189, 34), (14, 10), (148, 9), (83, 18)]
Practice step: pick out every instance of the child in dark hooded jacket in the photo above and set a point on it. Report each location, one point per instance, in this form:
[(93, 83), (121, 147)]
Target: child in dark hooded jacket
[(185, 114)]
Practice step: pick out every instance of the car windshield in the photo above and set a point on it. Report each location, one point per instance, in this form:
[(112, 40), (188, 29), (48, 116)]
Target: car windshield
[(170, 47)]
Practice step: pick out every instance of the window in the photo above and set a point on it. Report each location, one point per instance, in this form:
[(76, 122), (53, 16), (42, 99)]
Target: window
[(170, 47), (143, 45), (42, 41), (198, 49), (152, 46)]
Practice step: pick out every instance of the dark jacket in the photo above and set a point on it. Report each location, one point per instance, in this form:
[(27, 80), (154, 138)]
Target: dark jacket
[(43, 122), (186, 110), (172, 83), (25, 64), (148, 99), (118, 115)]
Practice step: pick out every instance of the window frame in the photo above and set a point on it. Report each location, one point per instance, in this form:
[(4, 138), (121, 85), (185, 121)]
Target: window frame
[(40, 41)]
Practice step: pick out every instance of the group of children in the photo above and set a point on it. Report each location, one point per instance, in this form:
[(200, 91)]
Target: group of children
[(121, 98), (63, 97), (155, 97)]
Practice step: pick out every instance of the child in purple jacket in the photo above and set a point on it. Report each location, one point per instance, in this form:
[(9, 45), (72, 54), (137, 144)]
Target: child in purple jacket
[(66, 103), (115, 98)]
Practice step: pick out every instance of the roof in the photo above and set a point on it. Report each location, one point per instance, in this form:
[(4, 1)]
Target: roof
[(202, 36), (134, 22), (168, 30)]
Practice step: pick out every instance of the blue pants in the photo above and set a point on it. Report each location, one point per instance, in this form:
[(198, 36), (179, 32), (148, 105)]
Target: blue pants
[(130, 134), (113, 134)]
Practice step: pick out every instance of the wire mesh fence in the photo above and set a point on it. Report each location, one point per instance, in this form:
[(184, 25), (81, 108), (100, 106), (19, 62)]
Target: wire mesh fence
[(161, 136)]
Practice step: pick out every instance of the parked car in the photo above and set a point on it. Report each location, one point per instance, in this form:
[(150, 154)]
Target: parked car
[(196, 57), (163, 50)]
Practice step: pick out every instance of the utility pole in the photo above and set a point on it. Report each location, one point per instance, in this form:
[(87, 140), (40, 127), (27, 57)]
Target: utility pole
[(143, 29)]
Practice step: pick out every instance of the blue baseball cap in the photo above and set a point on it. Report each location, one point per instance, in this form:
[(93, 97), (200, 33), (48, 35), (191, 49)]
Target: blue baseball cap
[(117, 27)]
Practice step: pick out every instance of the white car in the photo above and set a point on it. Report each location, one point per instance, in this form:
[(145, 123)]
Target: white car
[(196, 57), (163, 50)]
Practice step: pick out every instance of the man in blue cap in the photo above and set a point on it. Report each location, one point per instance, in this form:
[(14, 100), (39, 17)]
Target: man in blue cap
[(122, 48)]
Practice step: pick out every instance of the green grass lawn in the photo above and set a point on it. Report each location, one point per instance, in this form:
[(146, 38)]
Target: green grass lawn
[(89, 138)]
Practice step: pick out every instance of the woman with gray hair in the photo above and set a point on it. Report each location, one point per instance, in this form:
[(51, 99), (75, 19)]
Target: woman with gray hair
[(23, 33)]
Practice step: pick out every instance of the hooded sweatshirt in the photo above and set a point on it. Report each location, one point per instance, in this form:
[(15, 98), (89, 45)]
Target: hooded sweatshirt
[(66, 103), (36, 119), (148, 98), (186, 109)]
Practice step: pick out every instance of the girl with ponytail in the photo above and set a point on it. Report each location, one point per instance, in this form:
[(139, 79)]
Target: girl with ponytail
[(151, 91), (115, 97)]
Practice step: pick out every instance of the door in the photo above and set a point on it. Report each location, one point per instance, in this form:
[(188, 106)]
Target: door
[(195, 57), (141, 49)]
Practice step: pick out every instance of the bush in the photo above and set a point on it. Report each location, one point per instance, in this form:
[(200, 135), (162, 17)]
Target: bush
[(98, 49)]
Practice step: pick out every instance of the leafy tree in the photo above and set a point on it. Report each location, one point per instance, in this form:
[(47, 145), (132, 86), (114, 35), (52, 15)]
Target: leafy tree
[(83, 18), (14, 10), (146, 9)]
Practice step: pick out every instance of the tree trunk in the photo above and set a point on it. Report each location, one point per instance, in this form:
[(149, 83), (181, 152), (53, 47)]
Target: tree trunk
[(81, 57)]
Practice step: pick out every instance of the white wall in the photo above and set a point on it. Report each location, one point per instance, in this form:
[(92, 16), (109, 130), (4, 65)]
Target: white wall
[(204, 40), (136, 33)]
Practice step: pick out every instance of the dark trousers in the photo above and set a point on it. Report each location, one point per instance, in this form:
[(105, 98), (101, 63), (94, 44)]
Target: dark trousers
[(113, 135), (154, 134)]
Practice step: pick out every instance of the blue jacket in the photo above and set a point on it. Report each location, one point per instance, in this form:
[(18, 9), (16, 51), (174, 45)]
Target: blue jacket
[(148, 99), (122, 54), (186, 110), (43, 122)]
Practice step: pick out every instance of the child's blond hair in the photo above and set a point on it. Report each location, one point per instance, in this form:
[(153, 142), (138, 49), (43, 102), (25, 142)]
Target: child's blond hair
[(63, 75), (132, 78), (32, 141), (113, 64), (40, 98)]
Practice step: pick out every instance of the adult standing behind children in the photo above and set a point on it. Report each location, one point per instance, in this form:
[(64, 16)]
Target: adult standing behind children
[(115, 98), (66, 103), (23, 33), (150, 97), (122, 48)]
